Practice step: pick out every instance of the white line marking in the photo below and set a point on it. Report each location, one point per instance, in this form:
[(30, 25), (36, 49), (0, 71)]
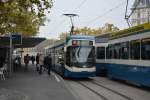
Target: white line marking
[(57, 79)]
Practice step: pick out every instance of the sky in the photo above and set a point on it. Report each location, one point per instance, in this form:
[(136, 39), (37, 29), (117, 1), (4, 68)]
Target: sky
[(92, 13)]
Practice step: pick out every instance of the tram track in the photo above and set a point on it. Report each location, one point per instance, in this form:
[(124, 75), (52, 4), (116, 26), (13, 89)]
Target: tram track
[(104, 87), (92, 90), (116, 92)]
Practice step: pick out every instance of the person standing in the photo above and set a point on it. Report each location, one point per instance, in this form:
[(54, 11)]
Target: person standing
[(48, 63)]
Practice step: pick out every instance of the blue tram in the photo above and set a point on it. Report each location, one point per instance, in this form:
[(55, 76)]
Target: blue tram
[(101, 48), (129, 55), (74, 57)]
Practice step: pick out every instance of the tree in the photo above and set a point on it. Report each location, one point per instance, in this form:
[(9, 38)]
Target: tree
[(107, 28), (23, 16), (63, 35)]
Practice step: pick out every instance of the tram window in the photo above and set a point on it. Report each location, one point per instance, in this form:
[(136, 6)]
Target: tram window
[(135, 49), (109, 52), (145, 49), (115, 51), (115, 54), (100, 52), (124, 50), (86, 43)]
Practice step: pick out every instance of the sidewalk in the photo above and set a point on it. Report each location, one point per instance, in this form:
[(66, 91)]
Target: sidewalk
[(29, 85)]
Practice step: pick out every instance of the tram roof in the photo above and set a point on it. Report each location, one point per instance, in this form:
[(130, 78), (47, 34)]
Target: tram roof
[(103, 38), (81, 37), (130, 31), (27, 42)]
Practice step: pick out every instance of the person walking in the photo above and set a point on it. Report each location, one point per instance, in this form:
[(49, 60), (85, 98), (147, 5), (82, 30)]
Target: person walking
[(37, 61), (26, 60), (2, 61), (32, 59), (48, 63), (17, 62), (41, 63)]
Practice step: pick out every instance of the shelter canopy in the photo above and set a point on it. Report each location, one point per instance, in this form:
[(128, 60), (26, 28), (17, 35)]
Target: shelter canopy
[(27, 42)]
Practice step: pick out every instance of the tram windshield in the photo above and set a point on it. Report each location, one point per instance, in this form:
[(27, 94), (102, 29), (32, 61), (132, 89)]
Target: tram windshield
[(81, 56)]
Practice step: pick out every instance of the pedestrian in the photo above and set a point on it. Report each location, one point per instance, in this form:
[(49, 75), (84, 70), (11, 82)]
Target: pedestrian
[(26, 60), (2, 60), (17, 62), (32, 59), (48, 63), (41, 63), (37, 61)]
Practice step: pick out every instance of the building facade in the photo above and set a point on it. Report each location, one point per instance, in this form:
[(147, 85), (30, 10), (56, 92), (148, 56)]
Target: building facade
[(142, 12)]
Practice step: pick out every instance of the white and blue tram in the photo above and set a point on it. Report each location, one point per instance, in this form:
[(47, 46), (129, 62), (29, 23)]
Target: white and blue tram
[(74, 57), (101, 48), (129, 55)]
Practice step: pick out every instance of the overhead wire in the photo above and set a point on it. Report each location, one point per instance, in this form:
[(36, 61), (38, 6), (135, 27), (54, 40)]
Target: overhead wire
[(107, 12), (98, 17), (78, 7), (134, 8), (128, 16)]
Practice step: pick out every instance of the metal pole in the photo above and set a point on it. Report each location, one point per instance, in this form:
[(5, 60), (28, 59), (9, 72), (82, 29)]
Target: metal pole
[(10, 56), (72, 27)]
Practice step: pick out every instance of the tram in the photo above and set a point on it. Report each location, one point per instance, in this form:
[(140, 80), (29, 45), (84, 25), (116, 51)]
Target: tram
[(74, 57), (129, 55), (101, 51)]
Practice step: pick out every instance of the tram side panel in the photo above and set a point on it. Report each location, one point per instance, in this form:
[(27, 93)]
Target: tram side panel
[(101, 61), (129, 58), (58, 60)]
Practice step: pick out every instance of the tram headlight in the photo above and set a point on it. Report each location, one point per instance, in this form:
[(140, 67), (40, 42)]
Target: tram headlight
[(84, 66)]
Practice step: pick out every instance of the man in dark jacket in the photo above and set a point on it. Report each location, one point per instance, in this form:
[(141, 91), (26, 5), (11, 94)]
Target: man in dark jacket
[(37, 61), (48, 63)]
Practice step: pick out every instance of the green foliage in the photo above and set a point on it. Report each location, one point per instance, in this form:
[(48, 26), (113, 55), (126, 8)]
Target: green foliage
[(107, 28), (23, 16)]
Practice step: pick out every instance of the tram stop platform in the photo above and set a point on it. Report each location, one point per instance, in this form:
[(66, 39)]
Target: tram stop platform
[(29, 85)]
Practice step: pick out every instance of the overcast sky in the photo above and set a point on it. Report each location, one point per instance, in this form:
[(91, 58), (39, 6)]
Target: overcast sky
[(92, 13)]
